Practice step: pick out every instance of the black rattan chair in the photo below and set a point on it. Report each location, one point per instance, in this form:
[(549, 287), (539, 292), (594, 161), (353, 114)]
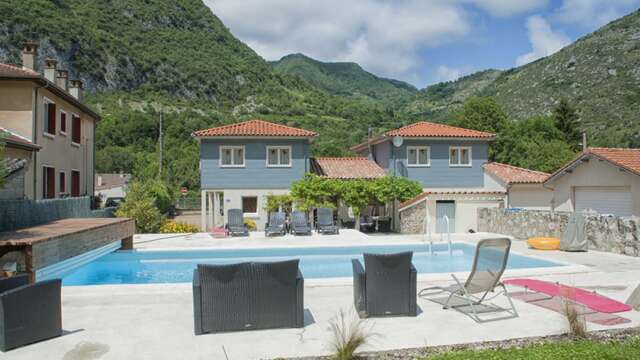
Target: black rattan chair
[(29, 312), (386, 286), (248, 296)]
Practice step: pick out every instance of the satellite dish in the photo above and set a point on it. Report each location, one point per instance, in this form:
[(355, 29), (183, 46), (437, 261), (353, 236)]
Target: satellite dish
[(397, 141)]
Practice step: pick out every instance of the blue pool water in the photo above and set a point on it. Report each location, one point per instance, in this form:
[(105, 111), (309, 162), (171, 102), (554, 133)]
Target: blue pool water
[(143, 267)]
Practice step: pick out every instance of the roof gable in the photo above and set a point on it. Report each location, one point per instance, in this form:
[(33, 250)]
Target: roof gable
[(627, 159), (254, 128)]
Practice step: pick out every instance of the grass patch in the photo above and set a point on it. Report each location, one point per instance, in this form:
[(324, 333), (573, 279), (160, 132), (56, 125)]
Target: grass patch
[(581, 349)]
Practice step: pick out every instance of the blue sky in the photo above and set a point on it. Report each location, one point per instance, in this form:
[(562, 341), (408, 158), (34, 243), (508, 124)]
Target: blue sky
[(418, 41)]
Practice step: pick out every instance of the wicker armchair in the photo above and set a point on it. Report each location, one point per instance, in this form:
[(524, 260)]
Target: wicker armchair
[(29, 312), (387, 287), (248, 296)]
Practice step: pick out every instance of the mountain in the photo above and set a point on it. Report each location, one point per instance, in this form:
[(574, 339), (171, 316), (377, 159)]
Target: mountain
[(599, 74), (139, 58), (343, 78)]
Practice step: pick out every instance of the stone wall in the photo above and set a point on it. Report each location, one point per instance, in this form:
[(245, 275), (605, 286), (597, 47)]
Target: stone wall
[(604, 233), (412, 219), (13, 187)]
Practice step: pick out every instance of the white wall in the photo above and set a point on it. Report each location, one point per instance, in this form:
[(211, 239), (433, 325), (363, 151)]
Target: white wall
[(530, 196), (233, 200), (466, 209), (593, 173)]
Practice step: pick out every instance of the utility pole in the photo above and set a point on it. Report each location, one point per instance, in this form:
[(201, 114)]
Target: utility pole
[(161, 146)]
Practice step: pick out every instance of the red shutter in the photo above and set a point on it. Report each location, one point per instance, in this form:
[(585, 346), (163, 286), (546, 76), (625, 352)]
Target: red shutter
[(75, 183), (48, 183), (51, 119), (63, 122), (75, 129)]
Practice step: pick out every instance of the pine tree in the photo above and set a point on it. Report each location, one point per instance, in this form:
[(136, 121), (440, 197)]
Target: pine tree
[(567, 120)]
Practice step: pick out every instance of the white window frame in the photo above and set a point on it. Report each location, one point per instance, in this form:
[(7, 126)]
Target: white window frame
[(460, 148), (248, 214), (45, 114), (279, 147), (232, 147), (79, 118), (417, 149), (66, 122)]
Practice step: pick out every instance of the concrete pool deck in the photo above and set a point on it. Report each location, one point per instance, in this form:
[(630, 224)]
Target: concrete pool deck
[(155, 321)]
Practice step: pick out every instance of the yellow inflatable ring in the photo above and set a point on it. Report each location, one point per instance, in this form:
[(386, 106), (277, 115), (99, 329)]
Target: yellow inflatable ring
[(544, 243)]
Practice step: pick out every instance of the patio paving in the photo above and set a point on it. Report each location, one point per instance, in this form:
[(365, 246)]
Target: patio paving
[(155, 321)]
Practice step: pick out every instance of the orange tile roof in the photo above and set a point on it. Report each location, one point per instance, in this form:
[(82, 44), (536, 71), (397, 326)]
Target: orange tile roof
[(428, 129), (254, 128), (346, 168), (426, 194), (628, 159), (12, 71), (13, 138), (515, 175)]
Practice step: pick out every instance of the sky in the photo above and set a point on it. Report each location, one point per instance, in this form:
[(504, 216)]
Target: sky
[(419, 41)]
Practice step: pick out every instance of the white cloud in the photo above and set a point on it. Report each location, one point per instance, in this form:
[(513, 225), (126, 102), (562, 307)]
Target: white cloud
[(384, 36), (506, 8), (445, 73), (593, 13), (544, 41)]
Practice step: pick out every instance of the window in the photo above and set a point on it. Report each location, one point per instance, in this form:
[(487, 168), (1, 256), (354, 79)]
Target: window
[(232, 156), (250, 205), (278, 156), (76, 129), (48, 182), (49, 117), (418, 156), (75, 183), (460, 156), (63, 182), (63, 122)]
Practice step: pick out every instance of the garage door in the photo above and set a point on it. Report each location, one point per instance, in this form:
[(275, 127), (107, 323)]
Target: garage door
[(604, 200)]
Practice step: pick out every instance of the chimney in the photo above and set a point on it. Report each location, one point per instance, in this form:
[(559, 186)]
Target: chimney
[(584, 142), (50, 67), (75, 89), (29, 53), (62, 79)]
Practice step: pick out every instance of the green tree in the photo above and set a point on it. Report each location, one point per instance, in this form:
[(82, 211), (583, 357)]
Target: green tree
[(390, 188), (483, 114), (140, 206), (313, 191), (567, 120), (535, 144), (356, 194)]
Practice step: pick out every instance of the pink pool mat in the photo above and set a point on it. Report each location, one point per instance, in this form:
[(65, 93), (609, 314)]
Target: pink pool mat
[(593, 301)]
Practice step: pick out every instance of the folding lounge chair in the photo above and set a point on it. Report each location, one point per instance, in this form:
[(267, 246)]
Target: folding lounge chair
[(489, 264), (386, 286), (29, 312), (299, 224), (325, 224), (276, 225), (235, 224)]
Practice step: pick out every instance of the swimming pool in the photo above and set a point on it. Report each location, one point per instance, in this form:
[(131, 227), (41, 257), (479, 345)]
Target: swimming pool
[(176, 266)]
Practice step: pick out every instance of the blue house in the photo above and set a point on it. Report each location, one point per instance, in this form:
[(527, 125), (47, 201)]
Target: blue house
[(241, 164), (449, 162)]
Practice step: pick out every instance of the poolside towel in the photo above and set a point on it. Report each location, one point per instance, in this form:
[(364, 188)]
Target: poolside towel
[(595, 302)]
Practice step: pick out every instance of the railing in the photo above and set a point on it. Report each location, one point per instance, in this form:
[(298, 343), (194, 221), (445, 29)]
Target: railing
[(188, 203), (445, 219)]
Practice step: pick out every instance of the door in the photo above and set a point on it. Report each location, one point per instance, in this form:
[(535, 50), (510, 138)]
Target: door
[(48, 182), (606, 200), (75, 183), (445, 208)]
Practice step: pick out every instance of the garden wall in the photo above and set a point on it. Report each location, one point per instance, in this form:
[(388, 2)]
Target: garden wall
[(604, 233)]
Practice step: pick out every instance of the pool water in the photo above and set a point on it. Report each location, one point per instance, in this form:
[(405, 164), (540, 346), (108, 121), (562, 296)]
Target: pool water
[(164, 266)]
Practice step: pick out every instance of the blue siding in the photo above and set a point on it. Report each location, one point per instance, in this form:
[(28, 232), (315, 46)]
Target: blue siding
[(255, 174), (440, 174)]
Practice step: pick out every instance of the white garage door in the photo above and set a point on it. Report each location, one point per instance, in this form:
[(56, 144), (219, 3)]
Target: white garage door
[(604, 200)]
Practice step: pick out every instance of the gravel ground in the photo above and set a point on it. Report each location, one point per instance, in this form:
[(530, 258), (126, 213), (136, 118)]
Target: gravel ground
[(419, 353)]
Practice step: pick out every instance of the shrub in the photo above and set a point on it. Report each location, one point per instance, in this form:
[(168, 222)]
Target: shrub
[(170, 227), (141, 207), (349, 334), (251, 225)]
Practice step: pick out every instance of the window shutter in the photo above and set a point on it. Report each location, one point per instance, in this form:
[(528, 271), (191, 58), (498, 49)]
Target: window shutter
[(51, 118), (76, 129)]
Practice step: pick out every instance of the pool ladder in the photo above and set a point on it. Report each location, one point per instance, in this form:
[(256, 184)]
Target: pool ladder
[(450, 248)]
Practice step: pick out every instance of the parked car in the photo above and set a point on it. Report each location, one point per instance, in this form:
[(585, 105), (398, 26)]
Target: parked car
[(113, 201)]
